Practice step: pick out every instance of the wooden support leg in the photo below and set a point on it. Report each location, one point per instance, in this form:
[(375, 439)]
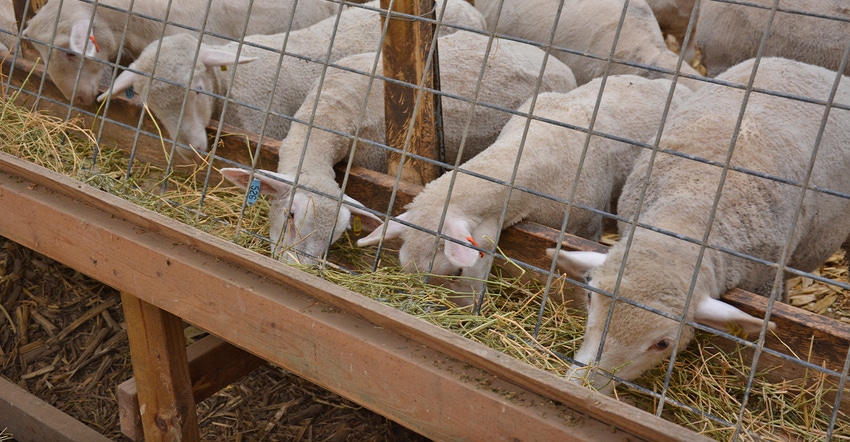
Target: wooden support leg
[(161, 368), (213, 365)]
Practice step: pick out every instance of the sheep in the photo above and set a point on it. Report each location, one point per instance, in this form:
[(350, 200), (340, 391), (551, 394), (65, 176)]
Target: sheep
[(728, 34), (358, 30), (589, 27), (631, 108), (317, 217), (87, 40), (753, 215), (8, 25)]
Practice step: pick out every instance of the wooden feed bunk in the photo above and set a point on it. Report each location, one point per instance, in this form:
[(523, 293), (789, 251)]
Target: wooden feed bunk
[(426, 378)]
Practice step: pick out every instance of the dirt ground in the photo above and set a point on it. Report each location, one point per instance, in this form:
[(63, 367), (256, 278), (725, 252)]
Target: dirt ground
[(63, 339)]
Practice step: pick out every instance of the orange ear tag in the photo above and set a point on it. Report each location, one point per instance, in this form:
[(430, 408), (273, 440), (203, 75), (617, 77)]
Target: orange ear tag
[(94, 42), (475, 243)]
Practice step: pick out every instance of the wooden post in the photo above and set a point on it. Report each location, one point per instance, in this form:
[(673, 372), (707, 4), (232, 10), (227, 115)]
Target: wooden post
[(213, 365), (405, 53), (161, 369)]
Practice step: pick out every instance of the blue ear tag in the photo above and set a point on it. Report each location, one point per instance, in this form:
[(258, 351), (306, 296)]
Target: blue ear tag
[(129, 93), (253, 192)]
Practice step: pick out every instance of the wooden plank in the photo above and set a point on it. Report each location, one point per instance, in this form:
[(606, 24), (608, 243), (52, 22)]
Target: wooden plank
[(813, 338), (279, 314), (405, 51), (213, 365), (161, 368), (30, 419)]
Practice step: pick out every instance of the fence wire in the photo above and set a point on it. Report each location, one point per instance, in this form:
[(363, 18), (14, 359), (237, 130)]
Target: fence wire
[(554, 45)]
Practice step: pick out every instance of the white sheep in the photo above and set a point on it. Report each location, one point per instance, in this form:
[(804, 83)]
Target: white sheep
[(753, 217), (8, 25), (316, 220), (552, 158), (355, 31), (728, 34), (589, 27), (86, 40)]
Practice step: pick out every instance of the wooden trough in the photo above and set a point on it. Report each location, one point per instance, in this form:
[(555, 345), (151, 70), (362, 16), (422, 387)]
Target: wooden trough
[(427, 379)]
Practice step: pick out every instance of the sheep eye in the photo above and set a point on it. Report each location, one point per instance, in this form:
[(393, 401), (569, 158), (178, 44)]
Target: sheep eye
[(458, 272), (661, 345)]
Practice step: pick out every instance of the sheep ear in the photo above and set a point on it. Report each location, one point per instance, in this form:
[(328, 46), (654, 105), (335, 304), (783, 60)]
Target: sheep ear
[(80, 38), (368, 221), (458, 254), (122, 82), (576, 264), (268, 185), (394, 230), (217, 57), (722, 316)]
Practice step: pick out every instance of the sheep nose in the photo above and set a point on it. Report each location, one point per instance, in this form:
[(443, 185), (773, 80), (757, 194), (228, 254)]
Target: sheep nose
[(84, 99)]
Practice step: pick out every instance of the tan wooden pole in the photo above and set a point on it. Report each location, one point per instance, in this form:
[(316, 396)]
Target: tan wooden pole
[(161, 368), (405, 52)]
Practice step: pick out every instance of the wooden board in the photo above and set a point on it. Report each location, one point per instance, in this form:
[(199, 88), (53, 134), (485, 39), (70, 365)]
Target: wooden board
[(30, 419)]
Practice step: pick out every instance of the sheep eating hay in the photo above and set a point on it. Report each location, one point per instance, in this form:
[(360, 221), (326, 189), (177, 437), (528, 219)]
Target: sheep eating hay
[(355, 31), (72, 36), (754, 214), (317, 218), (552, 158)]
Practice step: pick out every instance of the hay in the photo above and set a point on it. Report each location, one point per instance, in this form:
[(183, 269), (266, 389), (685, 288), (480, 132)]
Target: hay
[(706, 379)]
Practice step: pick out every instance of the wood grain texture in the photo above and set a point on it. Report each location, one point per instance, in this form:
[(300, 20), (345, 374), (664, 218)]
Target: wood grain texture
[(213, 365), (409, 112), (161, 369), (30, 419)]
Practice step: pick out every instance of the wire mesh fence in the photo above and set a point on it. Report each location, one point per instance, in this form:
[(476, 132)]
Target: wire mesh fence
[(715, 171)]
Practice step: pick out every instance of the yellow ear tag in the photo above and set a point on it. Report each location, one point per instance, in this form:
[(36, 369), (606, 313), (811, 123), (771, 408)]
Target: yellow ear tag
[(223, 67), (356, 225)]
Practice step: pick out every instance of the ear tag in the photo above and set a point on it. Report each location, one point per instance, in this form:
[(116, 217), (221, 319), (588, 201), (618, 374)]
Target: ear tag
[(223, 67), (253, 192), (129, 93), (94, 42), (475, 243), (356, 225)]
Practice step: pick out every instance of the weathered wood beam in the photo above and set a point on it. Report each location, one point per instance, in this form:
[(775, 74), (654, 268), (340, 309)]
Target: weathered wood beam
[(405, 52), (30, 419)]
